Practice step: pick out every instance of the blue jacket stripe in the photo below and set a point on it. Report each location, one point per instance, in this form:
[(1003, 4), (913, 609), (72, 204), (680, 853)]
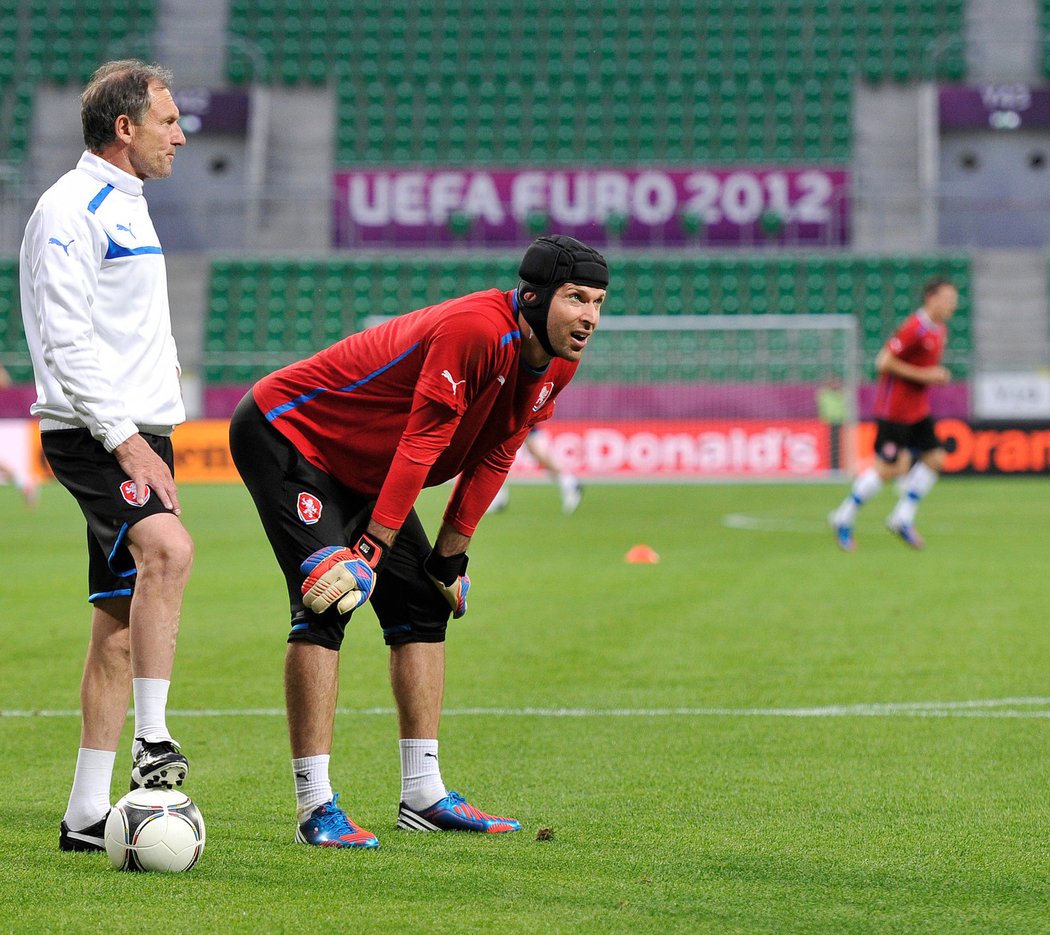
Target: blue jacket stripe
[(99, 198), (115, 250), (278, 411)]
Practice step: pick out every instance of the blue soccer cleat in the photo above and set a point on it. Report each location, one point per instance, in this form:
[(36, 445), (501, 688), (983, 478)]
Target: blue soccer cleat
[(843, 534), (453, 813), (909, 535), (328, 826)]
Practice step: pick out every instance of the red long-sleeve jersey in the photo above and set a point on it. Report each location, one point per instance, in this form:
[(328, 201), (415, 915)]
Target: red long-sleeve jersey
[(416, 401), (919, 341)]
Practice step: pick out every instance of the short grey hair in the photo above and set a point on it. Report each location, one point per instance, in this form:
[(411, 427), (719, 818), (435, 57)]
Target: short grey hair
[(115, 89)]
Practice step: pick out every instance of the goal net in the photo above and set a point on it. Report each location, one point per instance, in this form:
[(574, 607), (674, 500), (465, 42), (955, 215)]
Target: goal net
[(708, 397)]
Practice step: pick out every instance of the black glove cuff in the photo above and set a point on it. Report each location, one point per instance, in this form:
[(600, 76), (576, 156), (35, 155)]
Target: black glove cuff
[(371, 550), (446, 568)]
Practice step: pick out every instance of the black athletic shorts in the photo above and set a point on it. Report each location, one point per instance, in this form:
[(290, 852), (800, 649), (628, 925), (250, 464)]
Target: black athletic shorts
[(107, 500), (891, 438), (303, 509)]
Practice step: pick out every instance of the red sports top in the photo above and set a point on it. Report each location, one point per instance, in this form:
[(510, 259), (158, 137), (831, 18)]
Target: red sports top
[(920, 342), (415, 401)]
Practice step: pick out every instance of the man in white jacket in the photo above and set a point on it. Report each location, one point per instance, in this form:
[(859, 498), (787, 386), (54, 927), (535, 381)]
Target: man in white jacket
[(95, 309)]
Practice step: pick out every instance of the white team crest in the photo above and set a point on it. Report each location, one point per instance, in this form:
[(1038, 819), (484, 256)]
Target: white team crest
[(309, 508), (545, 394), (129, 491)]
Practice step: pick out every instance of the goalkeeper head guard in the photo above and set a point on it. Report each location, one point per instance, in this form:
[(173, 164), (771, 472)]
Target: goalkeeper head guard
[(549, 263)]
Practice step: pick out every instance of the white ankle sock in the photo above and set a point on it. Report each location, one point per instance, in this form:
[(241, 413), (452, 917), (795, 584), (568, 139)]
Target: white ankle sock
[(89, 797), (867, 484), (312, 785), (918, 482), (151, 702), (421, 784)]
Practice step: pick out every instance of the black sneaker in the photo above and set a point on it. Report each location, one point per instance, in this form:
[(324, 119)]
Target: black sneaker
[(158, 765), (92, 838)]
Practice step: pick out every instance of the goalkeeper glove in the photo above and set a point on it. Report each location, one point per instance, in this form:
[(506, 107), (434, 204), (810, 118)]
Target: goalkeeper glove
[(341, 576), (449, 574)]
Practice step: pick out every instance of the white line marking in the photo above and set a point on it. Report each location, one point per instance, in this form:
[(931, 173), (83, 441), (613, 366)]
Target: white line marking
[(987, 708), (750, 523), (771, 524)]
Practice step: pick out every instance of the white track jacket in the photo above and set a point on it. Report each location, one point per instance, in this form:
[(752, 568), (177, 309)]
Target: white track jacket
[(95, 308)]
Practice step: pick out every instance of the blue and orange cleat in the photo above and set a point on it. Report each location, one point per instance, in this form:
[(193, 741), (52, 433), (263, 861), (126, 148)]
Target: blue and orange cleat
[(329, 826), (909, 535), (843, 534), (453, 813)]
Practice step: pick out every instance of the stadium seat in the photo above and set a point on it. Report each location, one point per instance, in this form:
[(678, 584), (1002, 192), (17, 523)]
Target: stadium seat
[(661, 52), (60, 41)]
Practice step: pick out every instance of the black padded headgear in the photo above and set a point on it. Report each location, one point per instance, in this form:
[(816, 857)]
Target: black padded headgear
[(549, 263)]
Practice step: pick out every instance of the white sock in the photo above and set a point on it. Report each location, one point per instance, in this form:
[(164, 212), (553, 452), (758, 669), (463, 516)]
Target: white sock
[(312, 785), (918, 482), (864, 488), (421, 784), (89, 797), (151, 702)]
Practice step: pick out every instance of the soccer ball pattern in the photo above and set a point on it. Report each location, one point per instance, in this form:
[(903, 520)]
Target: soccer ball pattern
[(155, 829)]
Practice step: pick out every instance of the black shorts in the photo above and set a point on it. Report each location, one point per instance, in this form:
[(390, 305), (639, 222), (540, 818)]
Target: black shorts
[(303, 509), (891, 438), (104, 493)]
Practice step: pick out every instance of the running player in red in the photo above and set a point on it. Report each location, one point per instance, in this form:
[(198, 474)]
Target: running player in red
[(335, 450), (908, 365)]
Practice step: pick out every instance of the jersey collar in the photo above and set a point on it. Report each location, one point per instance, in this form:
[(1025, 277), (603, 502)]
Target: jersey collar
[(107, 172)]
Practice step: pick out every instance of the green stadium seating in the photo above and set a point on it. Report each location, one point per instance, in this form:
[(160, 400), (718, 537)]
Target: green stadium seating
[(1044, 32), (62, 42), (14, 354), (264, 313), (436, 84)]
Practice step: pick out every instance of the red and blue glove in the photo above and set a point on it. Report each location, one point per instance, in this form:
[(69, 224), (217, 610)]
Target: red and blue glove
[(341, 576), (449, 574)]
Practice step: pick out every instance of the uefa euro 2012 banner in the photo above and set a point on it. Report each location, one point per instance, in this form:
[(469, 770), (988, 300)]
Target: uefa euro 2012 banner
[(637, 207)]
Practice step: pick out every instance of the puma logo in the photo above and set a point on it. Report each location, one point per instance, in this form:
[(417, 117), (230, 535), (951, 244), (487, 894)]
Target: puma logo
[(448, 376), (65, 246), (127, 229)]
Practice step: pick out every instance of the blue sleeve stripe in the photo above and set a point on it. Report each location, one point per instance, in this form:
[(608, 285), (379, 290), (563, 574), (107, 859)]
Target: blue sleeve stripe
[(508, 337), (278, 411), (99, 198)]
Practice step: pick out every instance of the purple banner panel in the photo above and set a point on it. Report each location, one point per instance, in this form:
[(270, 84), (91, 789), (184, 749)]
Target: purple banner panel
[(645, 207), (614, 401), (208, 111), (993, 107)]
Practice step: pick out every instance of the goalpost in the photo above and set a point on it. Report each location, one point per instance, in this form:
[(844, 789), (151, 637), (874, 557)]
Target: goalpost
[(709, 397)]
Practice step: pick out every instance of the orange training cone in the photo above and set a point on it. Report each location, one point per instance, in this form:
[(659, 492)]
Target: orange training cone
[(641, 555)]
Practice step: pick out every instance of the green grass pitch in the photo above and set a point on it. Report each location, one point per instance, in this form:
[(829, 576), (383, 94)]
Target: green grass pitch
[(757, 734)]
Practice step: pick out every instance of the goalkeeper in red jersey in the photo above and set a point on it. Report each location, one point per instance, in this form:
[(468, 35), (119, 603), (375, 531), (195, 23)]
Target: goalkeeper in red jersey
[(335, 450), (906, 446)]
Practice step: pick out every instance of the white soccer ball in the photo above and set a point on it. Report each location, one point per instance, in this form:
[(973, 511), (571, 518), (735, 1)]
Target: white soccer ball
[(155, 829)]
